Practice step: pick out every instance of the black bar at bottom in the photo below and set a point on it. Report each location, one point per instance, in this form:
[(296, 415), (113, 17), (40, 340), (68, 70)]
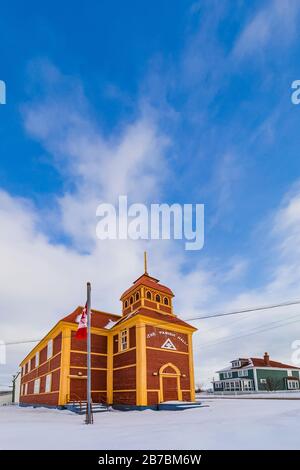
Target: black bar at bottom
[(136, 458)]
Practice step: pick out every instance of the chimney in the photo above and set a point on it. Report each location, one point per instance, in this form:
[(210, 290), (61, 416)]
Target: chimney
[(267, 359)]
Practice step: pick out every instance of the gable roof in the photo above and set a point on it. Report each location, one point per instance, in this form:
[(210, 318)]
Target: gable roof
[(259, 362), (161, 318), (150, 282), (98, 319)]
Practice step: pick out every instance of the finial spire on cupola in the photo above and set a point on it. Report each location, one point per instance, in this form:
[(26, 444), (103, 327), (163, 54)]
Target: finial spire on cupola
[(145, 263)]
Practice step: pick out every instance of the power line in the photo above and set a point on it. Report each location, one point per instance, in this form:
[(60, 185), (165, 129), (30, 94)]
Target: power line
[(203, 317), (12, 343), (245, 310), (254, 332)]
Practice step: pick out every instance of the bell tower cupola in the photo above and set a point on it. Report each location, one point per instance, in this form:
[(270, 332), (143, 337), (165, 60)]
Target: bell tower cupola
[(147, 292)]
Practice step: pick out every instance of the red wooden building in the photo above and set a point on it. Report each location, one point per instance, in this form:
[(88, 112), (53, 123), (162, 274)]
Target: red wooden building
[(140, 358)]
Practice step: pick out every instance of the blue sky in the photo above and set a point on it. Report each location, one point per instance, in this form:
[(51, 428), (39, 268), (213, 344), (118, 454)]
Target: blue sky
[(167, 102)]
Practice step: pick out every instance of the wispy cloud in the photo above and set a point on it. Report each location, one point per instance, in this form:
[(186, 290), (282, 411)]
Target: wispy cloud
[(134, 159), (275, 24)]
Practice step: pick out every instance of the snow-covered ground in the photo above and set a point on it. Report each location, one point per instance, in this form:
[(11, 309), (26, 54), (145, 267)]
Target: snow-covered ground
[(272, 395), (224, 424)]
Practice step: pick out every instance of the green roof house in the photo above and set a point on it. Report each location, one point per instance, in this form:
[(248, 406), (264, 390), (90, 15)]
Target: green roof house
[(257, 375)]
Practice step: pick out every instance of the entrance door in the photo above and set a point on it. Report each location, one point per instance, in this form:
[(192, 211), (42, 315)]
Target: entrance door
[(170, 390), (77, 389)]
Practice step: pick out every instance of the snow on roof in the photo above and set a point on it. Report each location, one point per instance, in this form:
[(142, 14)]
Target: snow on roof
[(259, 362), (110, 324)]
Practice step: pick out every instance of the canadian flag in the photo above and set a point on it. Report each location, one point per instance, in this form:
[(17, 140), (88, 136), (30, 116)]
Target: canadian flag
[(81, 332)]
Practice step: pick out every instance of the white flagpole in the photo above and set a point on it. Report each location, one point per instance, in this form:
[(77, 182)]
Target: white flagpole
[(89, 414)]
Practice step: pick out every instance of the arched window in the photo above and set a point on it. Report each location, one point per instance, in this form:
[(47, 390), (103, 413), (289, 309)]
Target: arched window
[(137, 296), (157, 298), (131, 300), (148, 295), (126, 304), (166, 301)]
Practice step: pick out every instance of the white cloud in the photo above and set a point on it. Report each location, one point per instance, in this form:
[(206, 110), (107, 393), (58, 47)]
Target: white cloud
[(43, 280), (274, 24), (130, 162)]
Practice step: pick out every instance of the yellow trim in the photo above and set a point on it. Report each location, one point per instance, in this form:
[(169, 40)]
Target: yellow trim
[(41, 365), (39, 376), (141, 371), (125, 367), (109, 378), (162, 374), (41, 344), (77, 376), (94, 330), (64, 386), (85, 352), (165, 324), (191, 367), (43, 393), (84, 367), (128, 390), (125, 351), (58, 328), (167, 350)]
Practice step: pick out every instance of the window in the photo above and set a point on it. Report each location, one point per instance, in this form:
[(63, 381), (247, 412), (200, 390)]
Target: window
[(148, 295), (263, 381), (243, 373), (247, 385), (124, 340), (166, 301), (36, 388), (293, 384), (25, 389), (227, 375), (137, 296), (131, 300), (50, 349), (289, 373), (37, 359), (48, 383), (157, 298), (126, 304), (236, 364)]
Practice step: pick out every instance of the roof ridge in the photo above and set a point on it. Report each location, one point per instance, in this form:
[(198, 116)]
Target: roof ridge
[(273, 363)]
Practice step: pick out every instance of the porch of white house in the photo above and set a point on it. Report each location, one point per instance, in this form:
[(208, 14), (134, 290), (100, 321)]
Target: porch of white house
[(234, 385)]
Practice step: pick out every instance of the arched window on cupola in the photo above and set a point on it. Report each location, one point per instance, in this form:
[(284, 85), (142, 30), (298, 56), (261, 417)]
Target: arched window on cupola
[(148, 295), (131, 300), (137, 296), (157, 298), (126, 303), (166, 301)]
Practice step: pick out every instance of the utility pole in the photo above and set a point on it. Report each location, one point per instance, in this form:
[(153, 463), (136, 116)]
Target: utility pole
[(89, 419)]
